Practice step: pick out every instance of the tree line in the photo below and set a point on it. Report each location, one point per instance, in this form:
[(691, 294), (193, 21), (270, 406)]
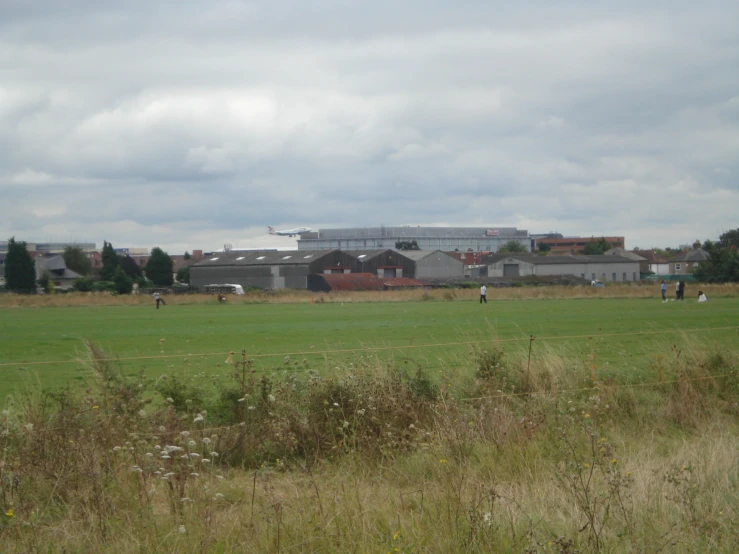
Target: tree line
[(118, 273)]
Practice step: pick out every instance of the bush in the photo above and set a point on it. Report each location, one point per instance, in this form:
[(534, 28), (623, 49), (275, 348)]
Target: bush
[(83, 284), (103, 286)]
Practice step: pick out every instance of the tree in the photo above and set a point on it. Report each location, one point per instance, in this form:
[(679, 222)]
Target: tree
[(123, 283), (722, 265), (20, 271), (544, 247), (407, 245), (512, 246), (159, 268), (596, 247), (186, 256), (130, 267), (730, 239), (183, 275), (110, 262), (76, 260)]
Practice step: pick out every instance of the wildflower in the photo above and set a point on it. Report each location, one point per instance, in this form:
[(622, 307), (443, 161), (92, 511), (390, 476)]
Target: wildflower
[(271, 397), (218, 496), (614, 461), (250, 408), (192, 444), (116, 448), (487, 518), (149, 455), (186, 499), (241, 399), (194, 475), (162, 428), (157, 447), (346, 424), (206, 440), (185, 434), (242, 424), (137, 469), (197, 419), (587, 416), (95, 407), (182, 530), (442, 461), (166, 457), (214, 454), (206, 461), (396, 536), (9, 513), (29, 426), (142, 413), (360, 412), (194, 455), (336, 404), (170, 399)]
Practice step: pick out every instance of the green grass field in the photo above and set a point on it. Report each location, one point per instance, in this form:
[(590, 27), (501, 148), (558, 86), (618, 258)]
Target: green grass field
[(41, 344)]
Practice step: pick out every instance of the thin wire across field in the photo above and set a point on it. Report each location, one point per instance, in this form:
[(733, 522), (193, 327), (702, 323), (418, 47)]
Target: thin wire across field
[(368, 348)]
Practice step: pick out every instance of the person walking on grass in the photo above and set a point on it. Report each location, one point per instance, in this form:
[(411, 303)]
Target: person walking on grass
[(483, 294), (158, 299), (663, 289)]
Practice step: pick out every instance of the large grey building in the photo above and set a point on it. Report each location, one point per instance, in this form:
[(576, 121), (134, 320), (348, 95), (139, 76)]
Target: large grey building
[(602, 268), (447, 239), (278, 270)]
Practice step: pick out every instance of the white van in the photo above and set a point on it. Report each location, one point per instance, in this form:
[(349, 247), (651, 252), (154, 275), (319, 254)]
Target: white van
[(224, 289)]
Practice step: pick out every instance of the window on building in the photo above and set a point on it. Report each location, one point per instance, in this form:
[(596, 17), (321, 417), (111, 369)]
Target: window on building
[(624, 275), (286, 257), (213, 259), (677, 267), (593, 277), (261, 257), (613, 278), (239, 258)]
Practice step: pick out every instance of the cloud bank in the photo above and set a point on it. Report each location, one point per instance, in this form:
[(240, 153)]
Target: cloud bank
[(192, 124)]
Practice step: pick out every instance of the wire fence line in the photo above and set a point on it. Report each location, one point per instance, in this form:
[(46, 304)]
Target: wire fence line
[(365, 348)]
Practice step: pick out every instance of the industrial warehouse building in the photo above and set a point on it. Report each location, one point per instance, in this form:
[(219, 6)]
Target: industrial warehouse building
[(282, 269), (448, 239), (602, 268), (268, 270)]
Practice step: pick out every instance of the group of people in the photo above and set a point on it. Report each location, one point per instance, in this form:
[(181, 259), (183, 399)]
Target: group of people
[(680, 292)]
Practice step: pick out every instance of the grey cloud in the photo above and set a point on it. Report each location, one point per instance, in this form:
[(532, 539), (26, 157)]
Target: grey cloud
[(160, 119)]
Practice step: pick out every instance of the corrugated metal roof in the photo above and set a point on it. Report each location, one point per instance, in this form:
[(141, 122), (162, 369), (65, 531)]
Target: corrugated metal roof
[(265, 257)]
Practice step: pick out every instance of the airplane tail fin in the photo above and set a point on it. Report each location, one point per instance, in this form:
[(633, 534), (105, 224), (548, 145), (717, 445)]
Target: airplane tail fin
[(270, 230)]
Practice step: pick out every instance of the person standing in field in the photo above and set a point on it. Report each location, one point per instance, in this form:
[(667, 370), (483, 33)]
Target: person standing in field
[(677, 290), (663, 289), (483, 294), (158, 299), (681, 289)]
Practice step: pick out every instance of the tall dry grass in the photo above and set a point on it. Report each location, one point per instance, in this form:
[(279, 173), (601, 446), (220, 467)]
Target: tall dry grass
[(636, 290), (543, 455)]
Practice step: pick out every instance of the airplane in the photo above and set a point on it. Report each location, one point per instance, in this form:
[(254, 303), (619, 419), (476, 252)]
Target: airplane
[(289, 232)]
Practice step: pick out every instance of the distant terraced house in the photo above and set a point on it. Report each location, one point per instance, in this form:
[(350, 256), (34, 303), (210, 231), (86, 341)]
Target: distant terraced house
[(685, 262)]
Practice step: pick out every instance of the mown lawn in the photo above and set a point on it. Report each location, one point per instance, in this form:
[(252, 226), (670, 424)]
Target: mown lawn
[(41, 344)]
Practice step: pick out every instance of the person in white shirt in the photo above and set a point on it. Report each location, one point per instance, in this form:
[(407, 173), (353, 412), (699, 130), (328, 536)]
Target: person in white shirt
[(483, 294), (702, 297)]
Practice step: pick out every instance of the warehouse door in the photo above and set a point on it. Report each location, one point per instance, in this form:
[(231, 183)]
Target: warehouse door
[(510, 270)]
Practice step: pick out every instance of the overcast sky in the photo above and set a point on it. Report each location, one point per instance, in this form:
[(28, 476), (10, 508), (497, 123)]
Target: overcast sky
[(190, 124)]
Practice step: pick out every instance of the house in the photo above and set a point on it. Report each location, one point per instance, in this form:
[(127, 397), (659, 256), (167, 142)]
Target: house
[(62, 277), (656, 264), (685, 262)]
